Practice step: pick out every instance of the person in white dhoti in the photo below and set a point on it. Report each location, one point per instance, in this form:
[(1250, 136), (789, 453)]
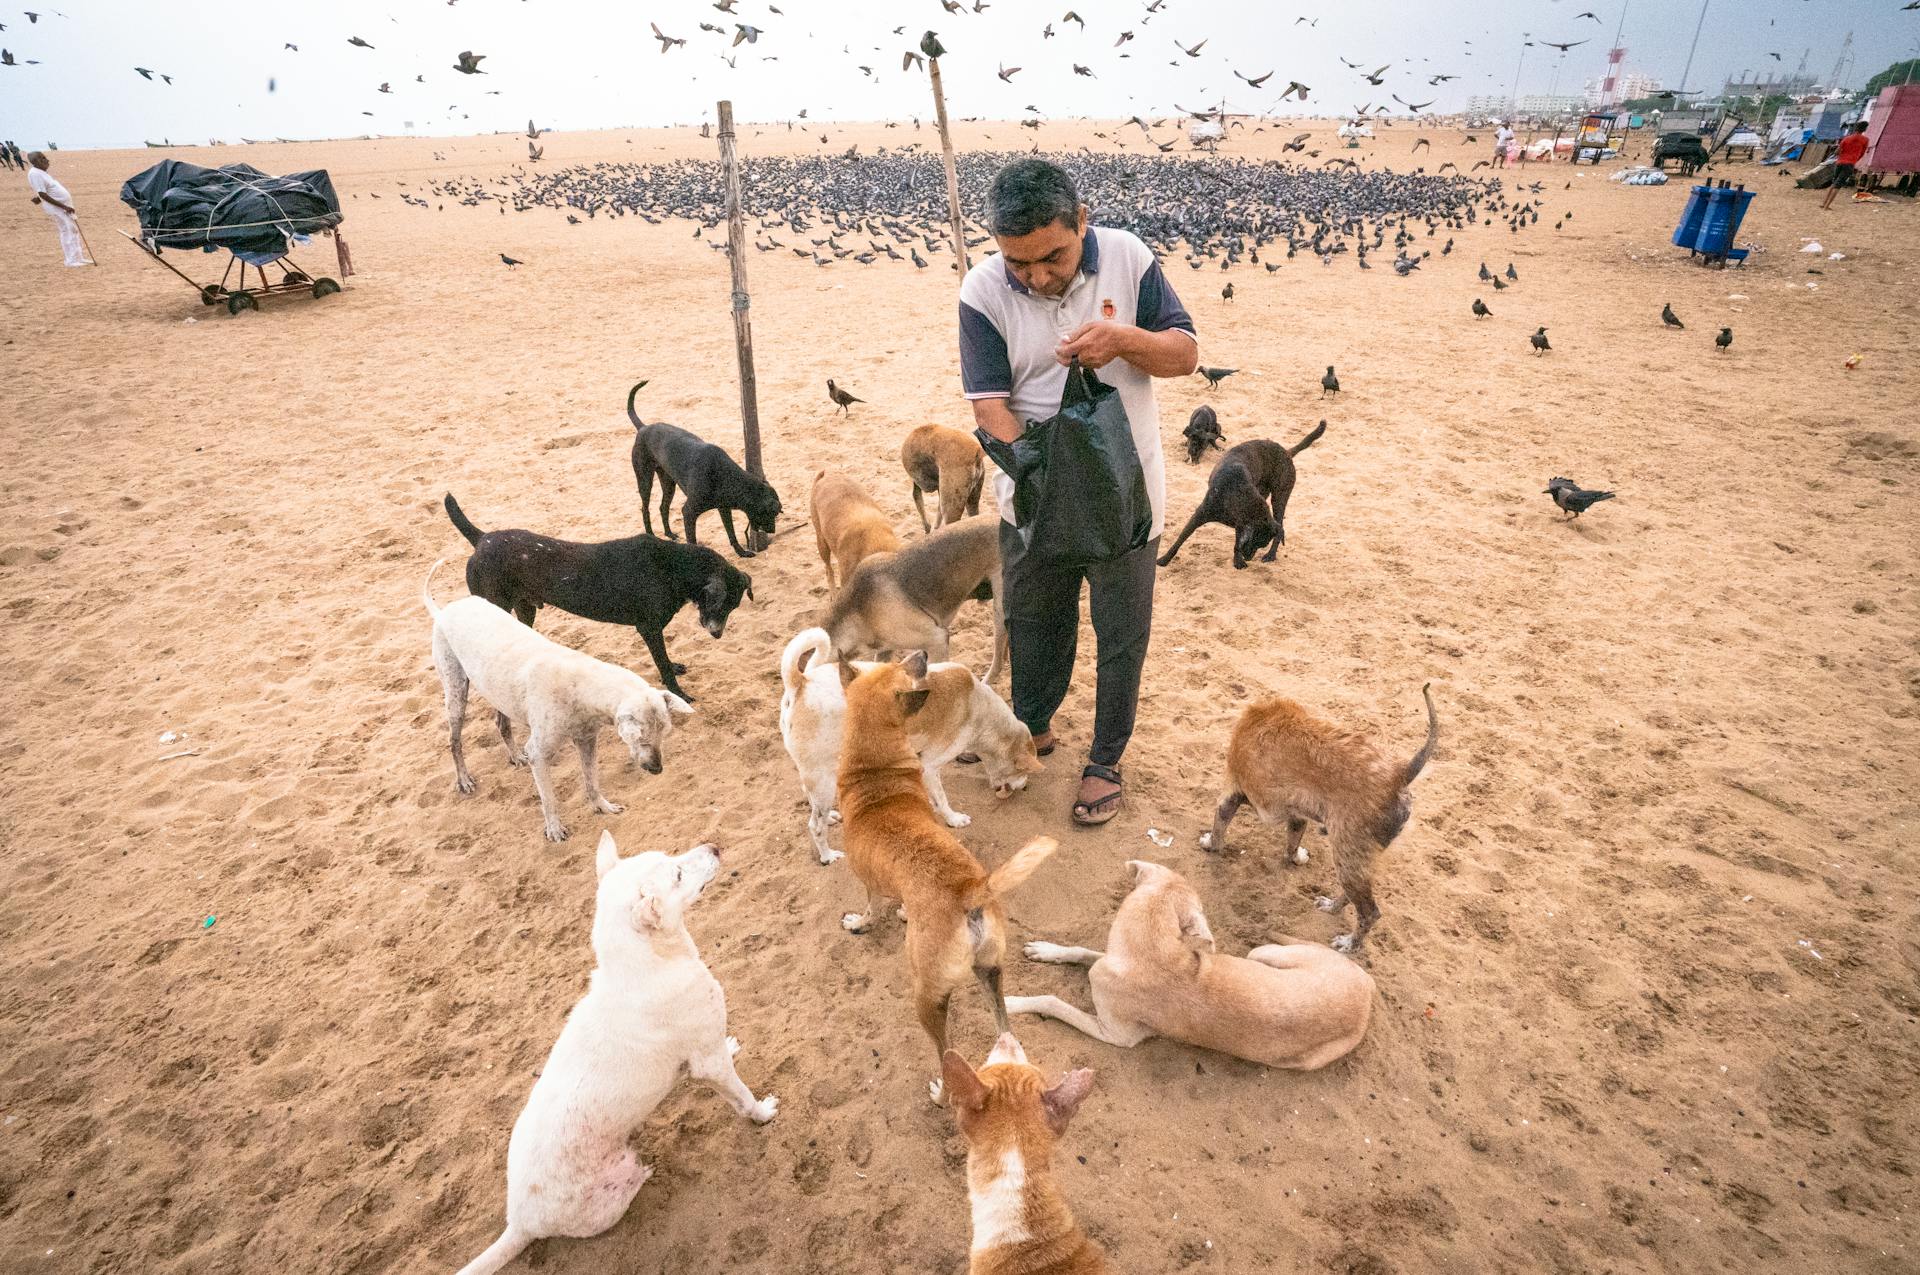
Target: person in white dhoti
[(57, 204)]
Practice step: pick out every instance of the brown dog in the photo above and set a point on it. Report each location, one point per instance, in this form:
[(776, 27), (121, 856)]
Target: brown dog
[(956, 922), (1010, 1120), (847, 526), (1287, 1004), (906, 601), (1289, 765), (949, 461)]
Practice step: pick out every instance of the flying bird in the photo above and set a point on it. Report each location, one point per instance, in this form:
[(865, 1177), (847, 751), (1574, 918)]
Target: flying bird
[(1071, 16), (1256, 82), (1086, 71), (1295, 86), (357, 42), (1194, 52), (666, 41), (908, 58), (1572, 498), (469, 63), (1124, 37), (1374, 77), (1564, 47), (1007, 73), (744, 32)]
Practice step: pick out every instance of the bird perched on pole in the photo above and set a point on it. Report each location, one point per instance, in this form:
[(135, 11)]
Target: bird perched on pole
[(931, 46), (1572, 498), (841, 399)]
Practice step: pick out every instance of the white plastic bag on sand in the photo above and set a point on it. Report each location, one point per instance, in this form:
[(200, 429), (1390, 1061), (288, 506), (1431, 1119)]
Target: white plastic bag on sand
[(1813, 245)]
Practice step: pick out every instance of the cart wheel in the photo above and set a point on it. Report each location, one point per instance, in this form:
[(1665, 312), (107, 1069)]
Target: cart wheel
[(324, 288), (241, 301), (210, 294)]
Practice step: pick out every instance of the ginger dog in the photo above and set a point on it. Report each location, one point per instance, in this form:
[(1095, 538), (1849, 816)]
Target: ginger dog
[(898, 848), (847, 525), (1290, 765), (949, 461), (1010, 1120), (1292, 1004)]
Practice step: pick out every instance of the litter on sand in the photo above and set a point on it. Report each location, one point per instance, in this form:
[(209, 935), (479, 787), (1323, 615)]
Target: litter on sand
[(208, 923), (1159, 838)]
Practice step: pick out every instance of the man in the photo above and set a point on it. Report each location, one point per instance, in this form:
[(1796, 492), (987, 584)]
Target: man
[(1502, 140), (1852, 149), (1060, 290), (57, 204)]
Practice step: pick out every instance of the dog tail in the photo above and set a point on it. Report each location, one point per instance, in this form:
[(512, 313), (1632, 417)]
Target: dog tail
[(631, 414), (1419, 762), (461, 522), (1025, 860), (807, 646), (426, 591), (1309, 440), (511, 1243)]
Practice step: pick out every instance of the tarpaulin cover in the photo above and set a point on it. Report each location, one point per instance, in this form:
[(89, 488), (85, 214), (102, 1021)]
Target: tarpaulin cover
[(238, 207)]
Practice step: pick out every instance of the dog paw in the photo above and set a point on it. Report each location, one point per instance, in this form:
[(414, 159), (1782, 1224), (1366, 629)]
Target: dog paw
[(957, 820), (901, 911), (1342, 943), (556, 831), (853, 923), (465, 784), (1052, 953), (831, 856), (764, 1110), (609, 807), (1206, 841), (1326, 904), (679, 670), (517, 759), (937, 1091), (1300, 855), (733, 1046), (833, 816)]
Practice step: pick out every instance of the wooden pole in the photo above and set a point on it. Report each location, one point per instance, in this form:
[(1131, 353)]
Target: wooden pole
[(953, 174), (742, 324)]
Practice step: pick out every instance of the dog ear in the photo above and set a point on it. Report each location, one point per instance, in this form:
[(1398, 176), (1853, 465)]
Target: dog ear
[(750, 588), (606, 855), (1194, 930), (962, 1083), (647, 913), (912, 701), (677, 705), (1061, 1101), (847, 672), (916, 665)]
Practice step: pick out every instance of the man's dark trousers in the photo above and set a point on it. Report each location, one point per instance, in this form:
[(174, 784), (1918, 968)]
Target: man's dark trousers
[(1043, 630)]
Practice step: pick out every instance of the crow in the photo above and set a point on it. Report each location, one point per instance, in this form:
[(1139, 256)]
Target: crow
[(1215, 375), (1668, 317), (1540, 345), (1573, 499), (511, 261), (931, 46), (1329, 384), (1226, 293), (1480, 310), (843, 400), (1724, 339)]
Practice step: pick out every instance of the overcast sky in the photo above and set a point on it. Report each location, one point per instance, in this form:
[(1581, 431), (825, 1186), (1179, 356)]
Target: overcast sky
[(594, 63)]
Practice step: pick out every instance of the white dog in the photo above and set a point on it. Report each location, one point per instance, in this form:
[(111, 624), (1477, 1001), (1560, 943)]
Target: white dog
[(962, 714), (557, 693), (652, 1008)]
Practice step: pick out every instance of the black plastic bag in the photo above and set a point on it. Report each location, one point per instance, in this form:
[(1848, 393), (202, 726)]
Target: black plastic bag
[(1079, 494)]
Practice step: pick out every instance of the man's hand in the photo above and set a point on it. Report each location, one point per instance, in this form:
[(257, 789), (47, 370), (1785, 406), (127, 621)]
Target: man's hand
[(1097, 344)]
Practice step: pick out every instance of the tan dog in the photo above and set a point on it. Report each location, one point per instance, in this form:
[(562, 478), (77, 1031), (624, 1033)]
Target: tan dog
[(1289, 765), (1010, 1119), (906, 601), (949, 461), (847, 526), (963, 714), (956, 922), (1296, 1005)]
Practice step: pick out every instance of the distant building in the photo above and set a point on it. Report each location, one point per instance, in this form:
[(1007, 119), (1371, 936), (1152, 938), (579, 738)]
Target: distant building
[(1541, 105), (1632, 85), (1746, 85)]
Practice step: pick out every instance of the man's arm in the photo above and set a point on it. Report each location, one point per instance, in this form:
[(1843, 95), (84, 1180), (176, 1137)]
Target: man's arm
[(996, 418), (1174, 352)]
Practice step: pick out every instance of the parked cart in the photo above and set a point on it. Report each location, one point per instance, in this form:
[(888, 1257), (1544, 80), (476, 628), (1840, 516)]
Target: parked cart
[(255, 218)]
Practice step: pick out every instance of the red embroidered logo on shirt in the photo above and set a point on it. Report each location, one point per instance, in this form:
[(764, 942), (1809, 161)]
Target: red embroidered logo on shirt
[(1106, 308)]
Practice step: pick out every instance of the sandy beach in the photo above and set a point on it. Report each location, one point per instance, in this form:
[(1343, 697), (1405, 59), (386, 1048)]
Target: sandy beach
[(1648, 972)]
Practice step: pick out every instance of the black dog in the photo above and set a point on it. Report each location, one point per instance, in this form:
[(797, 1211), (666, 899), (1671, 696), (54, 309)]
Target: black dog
[(1249, 478), (641, 581), (1202, 432), (707, 475)]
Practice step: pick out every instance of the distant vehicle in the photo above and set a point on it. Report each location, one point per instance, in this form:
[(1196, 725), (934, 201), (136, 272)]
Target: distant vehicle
[(1684, 148)]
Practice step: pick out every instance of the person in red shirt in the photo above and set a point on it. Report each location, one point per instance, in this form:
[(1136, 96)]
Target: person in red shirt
[(1853, 149)]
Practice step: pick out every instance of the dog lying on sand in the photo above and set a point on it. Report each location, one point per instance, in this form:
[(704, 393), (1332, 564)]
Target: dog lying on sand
[(962, 714), (651, 1009), (1289, 1004), (558, 694)]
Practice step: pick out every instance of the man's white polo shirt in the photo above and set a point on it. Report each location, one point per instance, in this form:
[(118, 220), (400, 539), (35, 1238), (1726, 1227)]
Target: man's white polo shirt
[(1008, 334)]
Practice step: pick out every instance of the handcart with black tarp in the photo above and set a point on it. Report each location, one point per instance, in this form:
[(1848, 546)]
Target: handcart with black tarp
[(240, 210)]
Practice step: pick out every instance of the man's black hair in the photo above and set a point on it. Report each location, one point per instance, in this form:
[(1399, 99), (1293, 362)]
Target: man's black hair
[(1028, 194)]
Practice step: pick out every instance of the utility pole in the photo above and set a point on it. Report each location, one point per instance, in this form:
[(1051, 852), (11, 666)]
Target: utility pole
[(742, 326), (1697, 28)]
